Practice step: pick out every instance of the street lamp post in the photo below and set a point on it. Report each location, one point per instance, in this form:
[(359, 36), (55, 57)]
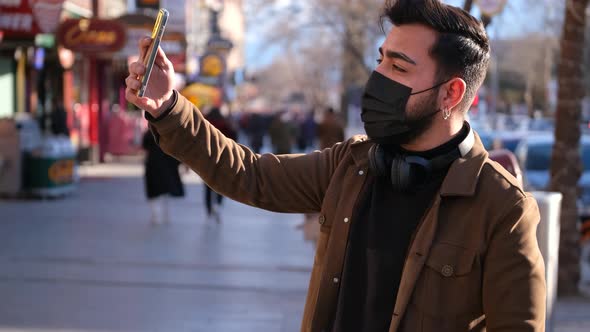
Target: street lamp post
[(94, 100)]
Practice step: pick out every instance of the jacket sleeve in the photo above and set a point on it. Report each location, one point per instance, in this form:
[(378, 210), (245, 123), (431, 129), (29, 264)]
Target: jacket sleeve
[(514, 273), (285, 183)]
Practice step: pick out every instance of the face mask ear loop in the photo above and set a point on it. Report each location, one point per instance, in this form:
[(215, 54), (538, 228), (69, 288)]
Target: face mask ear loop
[(434, 87)]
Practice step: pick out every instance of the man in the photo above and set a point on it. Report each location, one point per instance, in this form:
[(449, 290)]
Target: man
[(420, 231), (330, 131)]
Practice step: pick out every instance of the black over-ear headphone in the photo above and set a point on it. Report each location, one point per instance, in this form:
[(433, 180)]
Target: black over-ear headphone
[(405, 171)]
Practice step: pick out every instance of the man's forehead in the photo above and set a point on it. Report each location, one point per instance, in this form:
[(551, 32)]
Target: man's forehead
[(415, 40)]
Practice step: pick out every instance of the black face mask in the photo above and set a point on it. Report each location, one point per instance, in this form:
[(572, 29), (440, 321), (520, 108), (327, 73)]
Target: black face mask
[(384, 111)]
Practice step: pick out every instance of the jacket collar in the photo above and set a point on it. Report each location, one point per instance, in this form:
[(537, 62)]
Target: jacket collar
[(462, 177)]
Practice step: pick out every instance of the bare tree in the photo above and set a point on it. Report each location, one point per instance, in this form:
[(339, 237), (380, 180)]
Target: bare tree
[(344, 30), (467, 5), (566, 165), (308, 69)]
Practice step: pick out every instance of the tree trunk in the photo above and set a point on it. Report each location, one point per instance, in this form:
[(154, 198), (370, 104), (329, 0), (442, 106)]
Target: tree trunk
[(566, 165), (353, 68), (486, 20)]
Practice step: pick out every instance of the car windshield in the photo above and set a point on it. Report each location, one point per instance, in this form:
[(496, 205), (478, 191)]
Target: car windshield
[(586, 156), (539, 156)]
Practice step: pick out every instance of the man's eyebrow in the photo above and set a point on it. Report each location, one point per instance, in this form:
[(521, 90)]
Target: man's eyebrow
[(397, 55)]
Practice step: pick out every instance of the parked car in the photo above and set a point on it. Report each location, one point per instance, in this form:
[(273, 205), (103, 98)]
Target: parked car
[(508, 160), (501, 139), (534, 154), (487, 139)]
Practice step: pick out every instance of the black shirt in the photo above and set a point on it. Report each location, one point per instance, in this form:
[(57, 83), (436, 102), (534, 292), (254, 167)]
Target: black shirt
[(379, 238)]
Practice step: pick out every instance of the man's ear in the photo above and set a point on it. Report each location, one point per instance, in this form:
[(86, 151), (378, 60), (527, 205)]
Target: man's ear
[(453, 92)]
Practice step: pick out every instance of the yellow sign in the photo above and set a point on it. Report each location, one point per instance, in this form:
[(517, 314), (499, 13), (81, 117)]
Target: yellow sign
[(202, 95), (62, 171), (76, 36), (212, 65)]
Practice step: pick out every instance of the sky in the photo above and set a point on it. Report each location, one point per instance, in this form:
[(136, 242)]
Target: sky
[(516, 19)]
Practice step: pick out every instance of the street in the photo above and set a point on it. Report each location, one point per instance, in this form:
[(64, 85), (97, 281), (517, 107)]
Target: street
[(92, 262)]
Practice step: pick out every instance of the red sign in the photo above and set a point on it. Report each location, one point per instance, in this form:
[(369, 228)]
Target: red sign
[(153, 4), (92, 35), (26, 18), (174, 45)]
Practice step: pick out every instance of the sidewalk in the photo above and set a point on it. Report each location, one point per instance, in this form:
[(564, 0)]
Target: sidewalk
[(91, 262), (572, 315)]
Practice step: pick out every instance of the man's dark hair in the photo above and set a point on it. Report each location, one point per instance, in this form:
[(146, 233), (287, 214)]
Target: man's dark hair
[(462, 48)]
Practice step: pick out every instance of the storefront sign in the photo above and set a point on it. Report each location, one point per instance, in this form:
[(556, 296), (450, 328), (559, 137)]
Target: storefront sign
[(26, 18), (92, 35), (153, 4), (173, 44)]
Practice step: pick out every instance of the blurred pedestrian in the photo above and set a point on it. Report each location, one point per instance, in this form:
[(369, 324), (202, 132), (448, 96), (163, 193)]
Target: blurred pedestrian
[(282, 133), (256, 129), (307, 131), (330, 130), (58, 118), (226, 128), (161, 178)]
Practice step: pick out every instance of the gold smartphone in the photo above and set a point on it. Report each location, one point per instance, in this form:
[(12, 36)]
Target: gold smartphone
[(150, 56)]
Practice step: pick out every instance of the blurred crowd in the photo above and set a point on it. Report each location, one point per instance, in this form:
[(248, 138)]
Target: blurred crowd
[(290, 130), (285, 131)]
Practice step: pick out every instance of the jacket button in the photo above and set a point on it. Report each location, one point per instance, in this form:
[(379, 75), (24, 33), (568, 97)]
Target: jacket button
[(447, 270), (322, 220), (361, 172), (346, 220), (336, 280)]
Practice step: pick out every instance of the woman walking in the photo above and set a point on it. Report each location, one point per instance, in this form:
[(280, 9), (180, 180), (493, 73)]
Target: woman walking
[(162, 179)]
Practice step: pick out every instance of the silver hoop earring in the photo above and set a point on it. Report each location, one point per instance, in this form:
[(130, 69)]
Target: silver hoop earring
[(446, 114)]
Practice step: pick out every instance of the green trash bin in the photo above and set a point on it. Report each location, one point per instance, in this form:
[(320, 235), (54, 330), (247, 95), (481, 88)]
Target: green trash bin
[(50, 170)]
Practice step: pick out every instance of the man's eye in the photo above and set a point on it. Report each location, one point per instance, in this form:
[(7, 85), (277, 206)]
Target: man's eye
[(400, 69), (379, 61)]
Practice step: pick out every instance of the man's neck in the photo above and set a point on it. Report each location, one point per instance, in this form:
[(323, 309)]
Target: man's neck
[(436, 136)]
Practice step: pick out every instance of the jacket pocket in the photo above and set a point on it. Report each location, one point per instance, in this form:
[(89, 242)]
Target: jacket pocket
[(325, 227), (452, 282)]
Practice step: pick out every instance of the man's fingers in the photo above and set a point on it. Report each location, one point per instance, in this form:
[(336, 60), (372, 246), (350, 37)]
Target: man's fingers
[(132, 82), (143, 103), (144, 44), (131, 96), (162, 60), (136, 68)]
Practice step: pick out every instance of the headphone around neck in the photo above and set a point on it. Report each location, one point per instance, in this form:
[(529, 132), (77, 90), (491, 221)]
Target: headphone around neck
[(408, 171)]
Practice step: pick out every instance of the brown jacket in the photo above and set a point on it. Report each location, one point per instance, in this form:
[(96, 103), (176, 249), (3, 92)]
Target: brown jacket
[(473, 264)]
